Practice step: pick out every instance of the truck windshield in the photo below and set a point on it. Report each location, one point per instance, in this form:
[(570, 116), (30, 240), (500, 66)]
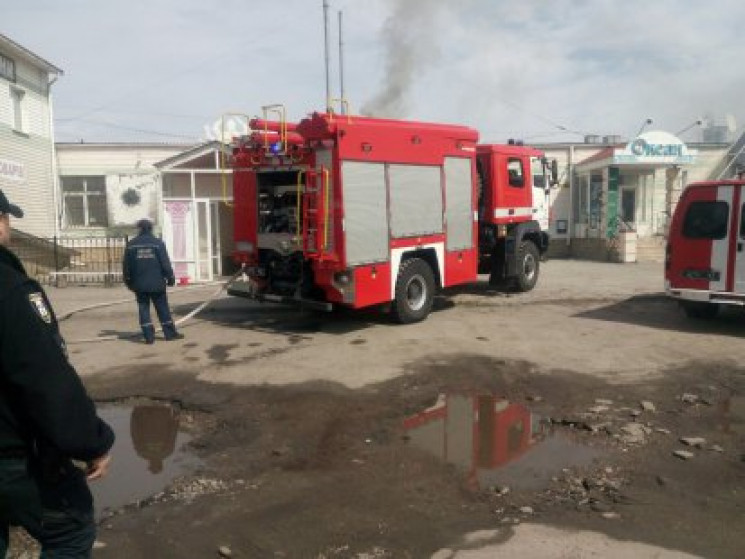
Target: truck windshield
[(706, 220)]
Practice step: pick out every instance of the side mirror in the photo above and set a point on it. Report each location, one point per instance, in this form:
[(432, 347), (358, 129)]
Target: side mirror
[(554, 172)]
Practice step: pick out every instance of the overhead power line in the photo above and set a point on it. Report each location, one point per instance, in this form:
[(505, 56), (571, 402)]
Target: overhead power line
[(545, 119), (138, 130), (144, 87), (142, 113)]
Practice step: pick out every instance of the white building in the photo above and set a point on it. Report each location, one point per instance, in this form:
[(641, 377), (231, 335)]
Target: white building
[(613, 192), (198, 212), (27, 161), (105, 188), (185, 190)]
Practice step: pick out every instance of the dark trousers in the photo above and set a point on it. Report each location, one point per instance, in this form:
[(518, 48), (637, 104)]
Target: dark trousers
[(160, 302), (58, 515)]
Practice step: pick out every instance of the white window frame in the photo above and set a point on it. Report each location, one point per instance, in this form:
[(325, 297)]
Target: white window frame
[(84, 194), (17, 96)]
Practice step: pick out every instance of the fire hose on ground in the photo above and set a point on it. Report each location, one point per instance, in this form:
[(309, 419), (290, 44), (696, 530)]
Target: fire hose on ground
[(113, 337)]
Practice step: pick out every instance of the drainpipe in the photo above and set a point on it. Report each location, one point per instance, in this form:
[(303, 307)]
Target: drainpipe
[(195, 219), (161, 205), (55, 177), (570, 220)]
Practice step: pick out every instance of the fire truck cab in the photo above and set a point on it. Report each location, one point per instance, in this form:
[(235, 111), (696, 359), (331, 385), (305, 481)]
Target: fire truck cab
[(355, 211), (513, 212), (705, 259)]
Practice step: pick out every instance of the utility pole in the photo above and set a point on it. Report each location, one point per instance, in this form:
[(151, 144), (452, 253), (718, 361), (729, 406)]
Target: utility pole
[(326, 53), (341, 64)]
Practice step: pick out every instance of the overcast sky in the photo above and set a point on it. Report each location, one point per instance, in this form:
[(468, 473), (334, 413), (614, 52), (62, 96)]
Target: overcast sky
[(547, 70)]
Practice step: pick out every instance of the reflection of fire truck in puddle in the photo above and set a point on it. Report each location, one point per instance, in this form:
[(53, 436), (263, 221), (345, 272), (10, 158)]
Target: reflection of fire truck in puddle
[(477, 434)]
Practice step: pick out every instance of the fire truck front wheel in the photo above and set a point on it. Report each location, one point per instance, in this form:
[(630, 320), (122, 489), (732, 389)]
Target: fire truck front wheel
[(528, 264), (415, 289)]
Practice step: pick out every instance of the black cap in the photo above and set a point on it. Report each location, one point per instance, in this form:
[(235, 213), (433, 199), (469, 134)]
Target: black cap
[(145, 225), (7, 208)]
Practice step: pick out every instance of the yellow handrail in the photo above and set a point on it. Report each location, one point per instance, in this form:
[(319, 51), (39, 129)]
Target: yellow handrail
[(325, 208), (344, 104), (222, 161), (299, 204), (282, 114)]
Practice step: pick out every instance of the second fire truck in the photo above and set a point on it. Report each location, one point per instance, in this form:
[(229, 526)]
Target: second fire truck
[(362, 212)]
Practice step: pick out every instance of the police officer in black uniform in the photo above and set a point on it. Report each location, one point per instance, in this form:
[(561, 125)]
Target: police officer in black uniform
[(147, 271), (47, 419)]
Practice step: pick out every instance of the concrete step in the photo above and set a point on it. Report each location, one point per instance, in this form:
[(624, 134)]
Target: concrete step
[(650, 249)]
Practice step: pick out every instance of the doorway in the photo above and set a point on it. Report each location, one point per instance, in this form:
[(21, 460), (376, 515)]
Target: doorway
[(191, 232), (628, 205), (740, 254)]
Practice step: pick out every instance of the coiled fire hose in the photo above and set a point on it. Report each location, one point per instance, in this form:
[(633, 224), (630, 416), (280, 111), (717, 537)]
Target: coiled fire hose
[(222, 287)]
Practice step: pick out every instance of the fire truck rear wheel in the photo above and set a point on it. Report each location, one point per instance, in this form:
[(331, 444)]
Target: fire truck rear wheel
[(528, 265), (695, 309), (415, 290)]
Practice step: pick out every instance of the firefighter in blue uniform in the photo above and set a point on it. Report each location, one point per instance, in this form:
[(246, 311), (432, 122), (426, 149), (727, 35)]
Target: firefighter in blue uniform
[(47, 419), (147, 271)]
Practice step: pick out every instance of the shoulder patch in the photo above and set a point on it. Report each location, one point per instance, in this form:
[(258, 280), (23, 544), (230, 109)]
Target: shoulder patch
[(40, 307)]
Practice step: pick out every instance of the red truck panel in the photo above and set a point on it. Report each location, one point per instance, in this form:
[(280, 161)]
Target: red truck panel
[(461, 267), (704, 269), (245, 201), (689, 254)]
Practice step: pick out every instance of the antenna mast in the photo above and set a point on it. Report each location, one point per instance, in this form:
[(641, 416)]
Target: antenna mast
[(326, 53), (341, 62)]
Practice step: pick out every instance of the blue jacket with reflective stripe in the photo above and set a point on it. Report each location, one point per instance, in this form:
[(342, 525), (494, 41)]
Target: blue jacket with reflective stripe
[(147, 268)]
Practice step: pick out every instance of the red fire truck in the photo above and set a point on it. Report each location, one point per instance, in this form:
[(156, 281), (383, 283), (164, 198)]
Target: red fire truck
[(705, 260), (358, 212)]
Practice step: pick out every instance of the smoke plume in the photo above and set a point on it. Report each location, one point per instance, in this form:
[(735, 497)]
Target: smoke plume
[(410, 39)]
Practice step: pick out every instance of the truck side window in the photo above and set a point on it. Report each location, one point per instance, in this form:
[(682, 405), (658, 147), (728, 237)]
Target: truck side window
[(706, 220), (742, 222), (482, 182), (515, 173)]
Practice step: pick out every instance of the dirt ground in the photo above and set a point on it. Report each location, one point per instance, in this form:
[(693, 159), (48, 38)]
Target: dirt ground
[(537, 425)]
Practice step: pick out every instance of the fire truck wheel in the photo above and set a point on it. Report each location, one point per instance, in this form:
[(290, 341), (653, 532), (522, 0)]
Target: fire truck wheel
[(415, 290), (694, 309), (528, 263)]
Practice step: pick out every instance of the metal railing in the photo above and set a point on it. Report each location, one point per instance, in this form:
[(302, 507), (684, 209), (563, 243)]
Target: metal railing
[(62, 261)]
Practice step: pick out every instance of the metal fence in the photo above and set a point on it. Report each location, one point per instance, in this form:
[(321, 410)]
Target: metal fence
[(62, 261)]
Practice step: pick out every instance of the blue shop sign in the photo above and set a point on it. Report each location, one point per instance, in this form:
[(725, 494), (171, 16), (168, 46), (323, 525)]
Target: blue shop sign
[(655, 147)]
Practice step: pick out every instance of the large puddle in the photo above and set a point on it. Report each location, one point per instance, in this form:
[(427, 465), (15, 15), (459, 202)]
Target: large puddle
[(148, 454), (495, 442)]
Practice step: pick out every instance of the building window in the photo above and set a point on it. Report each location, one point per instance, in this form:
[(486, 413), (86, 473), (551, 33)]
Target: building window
[(85, 201), (596, 199), (7, 68), (16, 99), (706, 220), (581, 199)]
